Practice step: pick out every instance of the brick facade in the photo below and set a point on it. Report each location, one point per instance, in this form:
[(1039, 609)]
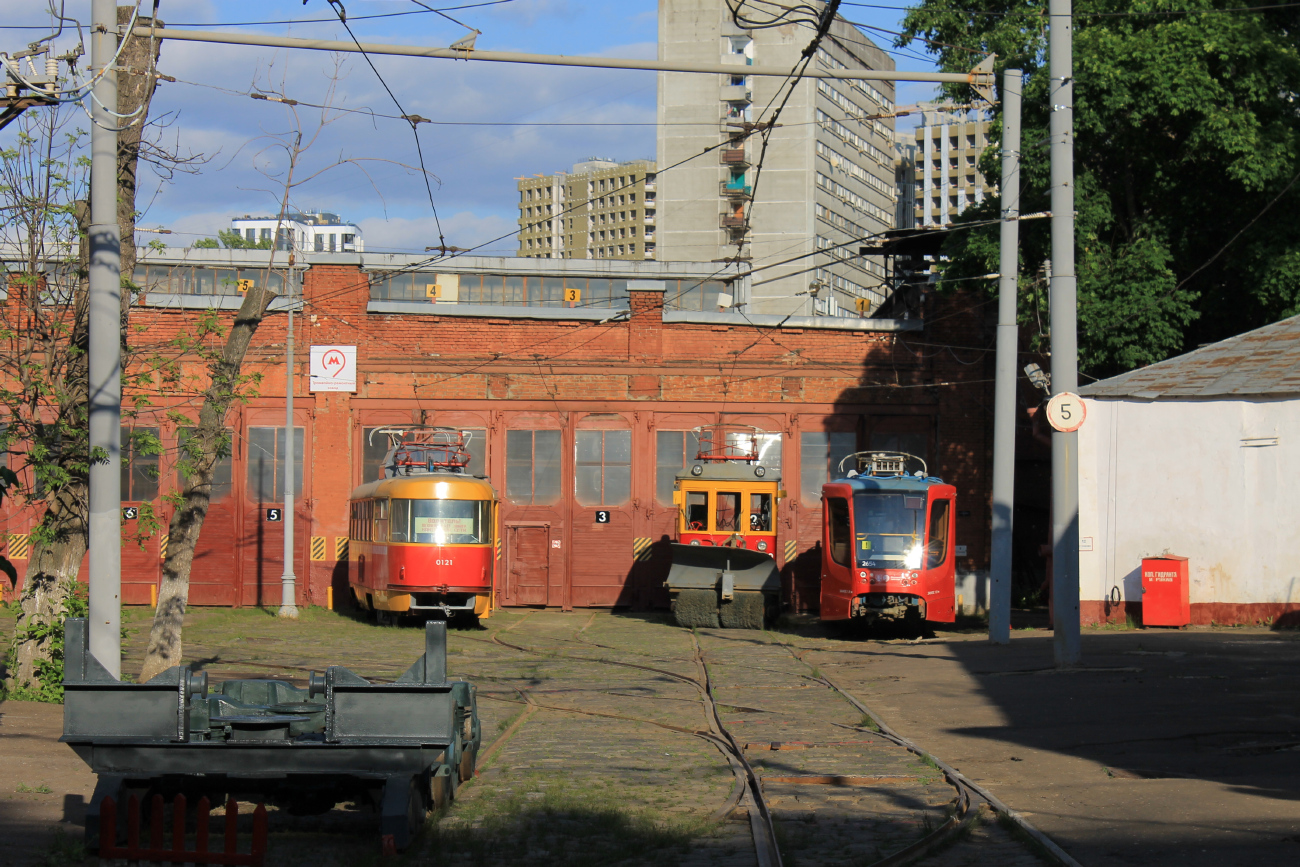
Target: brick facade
[(632, 372)]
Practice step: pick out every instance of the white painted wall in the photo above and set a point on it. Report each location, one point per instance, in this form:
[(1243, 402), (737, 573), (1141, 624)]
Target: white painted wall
[(1180, 477)]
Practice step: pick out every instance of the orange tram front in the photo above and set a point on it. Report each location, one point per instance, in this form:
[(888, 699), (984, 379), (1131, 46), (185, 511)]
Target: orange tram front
[(421, 540)]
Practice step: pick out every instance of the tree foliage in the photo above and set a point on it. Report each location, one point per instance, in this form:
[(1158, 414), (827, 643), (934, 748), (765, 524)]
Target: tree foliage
[(232, 240), (1186, 158)]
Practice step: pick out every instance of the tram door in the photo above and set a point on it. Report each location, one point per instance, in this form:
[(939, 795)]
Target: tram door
[(528, 551)]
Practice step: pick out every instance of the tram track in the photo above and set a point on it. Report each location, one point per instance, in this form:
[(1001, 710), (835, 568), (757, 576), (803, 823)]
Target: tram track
[(965, 786), (963, 809)]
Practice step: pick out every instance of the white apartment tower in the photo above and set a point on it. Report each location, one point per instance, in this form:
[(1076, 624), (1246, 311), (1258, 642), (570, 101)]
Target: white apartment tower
[(827, 178)]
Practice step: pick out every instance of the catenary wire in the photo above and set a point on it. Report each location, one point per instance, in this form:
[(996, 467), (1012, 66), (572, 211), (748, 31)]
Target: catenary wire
[(415, 130)]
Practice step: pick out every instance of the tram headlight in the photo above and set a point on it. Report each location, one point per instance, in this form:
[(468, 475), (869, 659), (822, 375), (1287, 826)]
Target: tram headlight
[(913, 558), (762, 546), (760, 471), (697, 470), (695, 541)]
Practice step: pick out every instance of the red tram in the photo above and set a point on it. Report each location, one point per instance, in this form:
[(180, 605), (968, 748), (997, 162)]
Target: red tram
[(887, 544), (421, 539)]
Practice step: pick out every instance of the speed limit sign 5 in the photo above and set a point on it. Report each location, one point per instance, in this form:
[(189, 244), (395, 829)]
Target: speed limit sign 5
[(1065, 412)]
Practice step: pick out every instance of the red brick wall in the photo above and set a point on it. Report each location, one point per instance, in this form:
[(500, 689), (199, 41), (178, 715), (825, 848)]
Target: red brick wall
[(941, 375)]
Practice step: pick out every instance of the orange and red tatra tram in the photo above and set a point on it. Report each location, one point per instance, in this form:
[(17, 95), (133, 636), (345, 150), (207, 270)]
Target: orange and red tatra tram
[(421, 539)]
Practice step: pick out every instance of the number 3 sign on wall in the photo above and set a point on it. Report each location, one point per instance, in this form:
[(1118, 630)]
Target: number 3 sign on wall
[(1066, 411)]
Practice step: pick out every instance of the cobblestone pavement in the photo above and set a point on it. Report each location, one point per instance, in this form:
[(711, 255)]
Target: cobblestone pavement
[(598, 729)]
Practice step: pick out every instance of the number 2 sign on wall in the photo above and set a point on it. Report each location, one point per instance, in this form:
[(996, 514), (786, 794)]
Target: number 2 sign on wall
[(1066, 411)]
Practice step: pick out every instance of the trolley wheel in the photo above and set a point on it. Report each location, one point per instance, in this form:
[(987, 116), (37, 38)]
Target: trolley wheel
[(417, 806), (441, 792), (694, 608), (465, 768), (745, 610)]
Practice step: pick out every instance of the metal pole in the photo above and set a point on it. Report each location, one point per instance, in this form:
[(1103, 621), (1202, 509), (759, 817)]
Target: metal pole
[(1064, 344), (980, 79), (105, 359), (1004, 400), (288, 581)]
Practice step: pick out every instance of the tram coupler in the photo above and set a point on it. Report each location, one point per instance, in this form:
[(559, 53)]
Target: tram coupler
[(875, 606)]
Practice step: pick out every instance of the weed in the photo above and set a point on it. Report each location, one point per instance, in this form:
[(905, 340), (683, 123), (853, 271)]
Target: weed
[(65, 850), (868, 723), (24, 789), (559, 825)]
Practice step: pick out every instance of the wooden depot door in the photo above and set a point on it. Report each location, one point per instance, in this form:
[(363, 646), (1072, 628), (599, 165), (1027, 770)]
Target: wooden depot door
[(528, 553)]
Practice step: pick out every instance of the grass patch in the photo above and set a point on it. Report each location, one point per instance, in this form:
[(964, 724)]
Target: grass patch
[(558, 824), (65, 850), (24, 789), (868, 723)]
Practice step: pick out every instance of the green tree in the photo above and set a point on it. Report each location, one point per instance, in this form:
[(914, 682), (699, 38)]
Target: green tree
[(232, 240), (1186, 162)]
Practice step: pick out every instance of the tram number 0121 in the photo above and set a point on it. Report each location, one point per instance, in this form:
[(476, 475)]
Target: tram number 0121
[(444, 562)]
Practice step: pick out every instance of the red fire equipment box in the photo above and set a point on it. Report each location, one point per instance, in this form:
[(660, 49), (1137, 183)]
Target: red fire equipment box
[(1165, 600)]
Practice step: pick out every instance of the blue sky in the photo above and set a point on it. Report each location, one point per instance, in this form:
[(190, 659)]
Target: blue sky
[(485, 144)]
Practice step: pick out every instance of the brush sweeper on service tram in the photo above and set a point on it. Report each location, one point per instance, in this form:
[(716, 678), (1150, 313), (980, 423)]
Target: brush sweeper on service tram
[(723, 570), (887, 542), (420, 539)]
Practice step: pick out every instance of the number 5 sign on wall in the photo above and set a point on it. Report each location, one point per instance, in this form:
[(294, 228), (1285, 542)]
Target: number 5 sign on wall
[(1066, 411)]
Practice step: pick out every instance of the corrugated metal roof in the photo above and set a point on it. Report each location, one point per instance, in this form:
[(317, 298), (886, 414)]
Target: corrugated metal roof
[(1260, 363)]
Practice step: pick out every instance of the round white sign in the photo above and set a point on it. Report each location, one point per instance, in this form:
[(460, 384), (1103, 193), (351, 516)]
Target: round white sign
[(1065, 412)]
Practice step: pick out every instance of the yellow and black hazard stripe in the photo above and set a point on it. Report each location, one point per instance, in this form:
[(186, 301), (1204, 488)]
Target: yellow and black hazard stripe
[(641, 548), (340, 548), (791, 550), (497, 549), (18, 546), (317, 548), (162, 545)]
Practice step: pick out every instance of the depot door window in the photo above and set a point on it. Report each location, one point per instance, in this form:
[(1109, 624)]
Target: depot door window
[(674, 450), (604, 467), (533, 467), (267, 453), (188, 454), (140, 450)]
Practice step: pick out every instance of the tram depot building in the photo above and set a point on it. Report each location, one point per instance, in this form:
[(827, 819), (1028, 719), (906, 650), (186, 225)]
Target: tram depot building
[(580, 413)]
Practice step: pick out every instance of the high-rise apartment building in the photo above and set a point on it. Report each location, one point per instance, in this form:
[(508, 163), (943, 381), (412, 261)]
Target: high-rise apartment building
[(825, 181), (948, 149), (601, 210), (905, 178)]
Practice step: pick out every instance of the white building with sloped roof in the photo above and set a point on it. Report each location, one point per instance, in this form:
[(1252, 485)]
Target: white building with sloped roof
[(1197, 456)]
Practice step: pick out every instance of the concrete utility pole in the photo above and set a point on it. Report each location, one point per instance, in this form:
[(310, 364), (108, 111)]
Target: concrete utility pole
[(105, 356), (288, 581), (1064, 344), (1004, 400)]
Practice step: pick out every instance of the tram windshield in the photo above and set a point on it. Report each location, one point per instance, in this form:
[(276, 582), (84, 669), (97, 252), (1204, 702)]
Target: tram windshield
[(888, 529), (440, 522)]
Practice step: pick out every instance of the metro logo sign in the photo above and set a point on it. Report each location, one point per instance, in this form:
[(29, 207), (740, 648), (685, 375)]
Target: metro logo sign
[(333, 368)]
